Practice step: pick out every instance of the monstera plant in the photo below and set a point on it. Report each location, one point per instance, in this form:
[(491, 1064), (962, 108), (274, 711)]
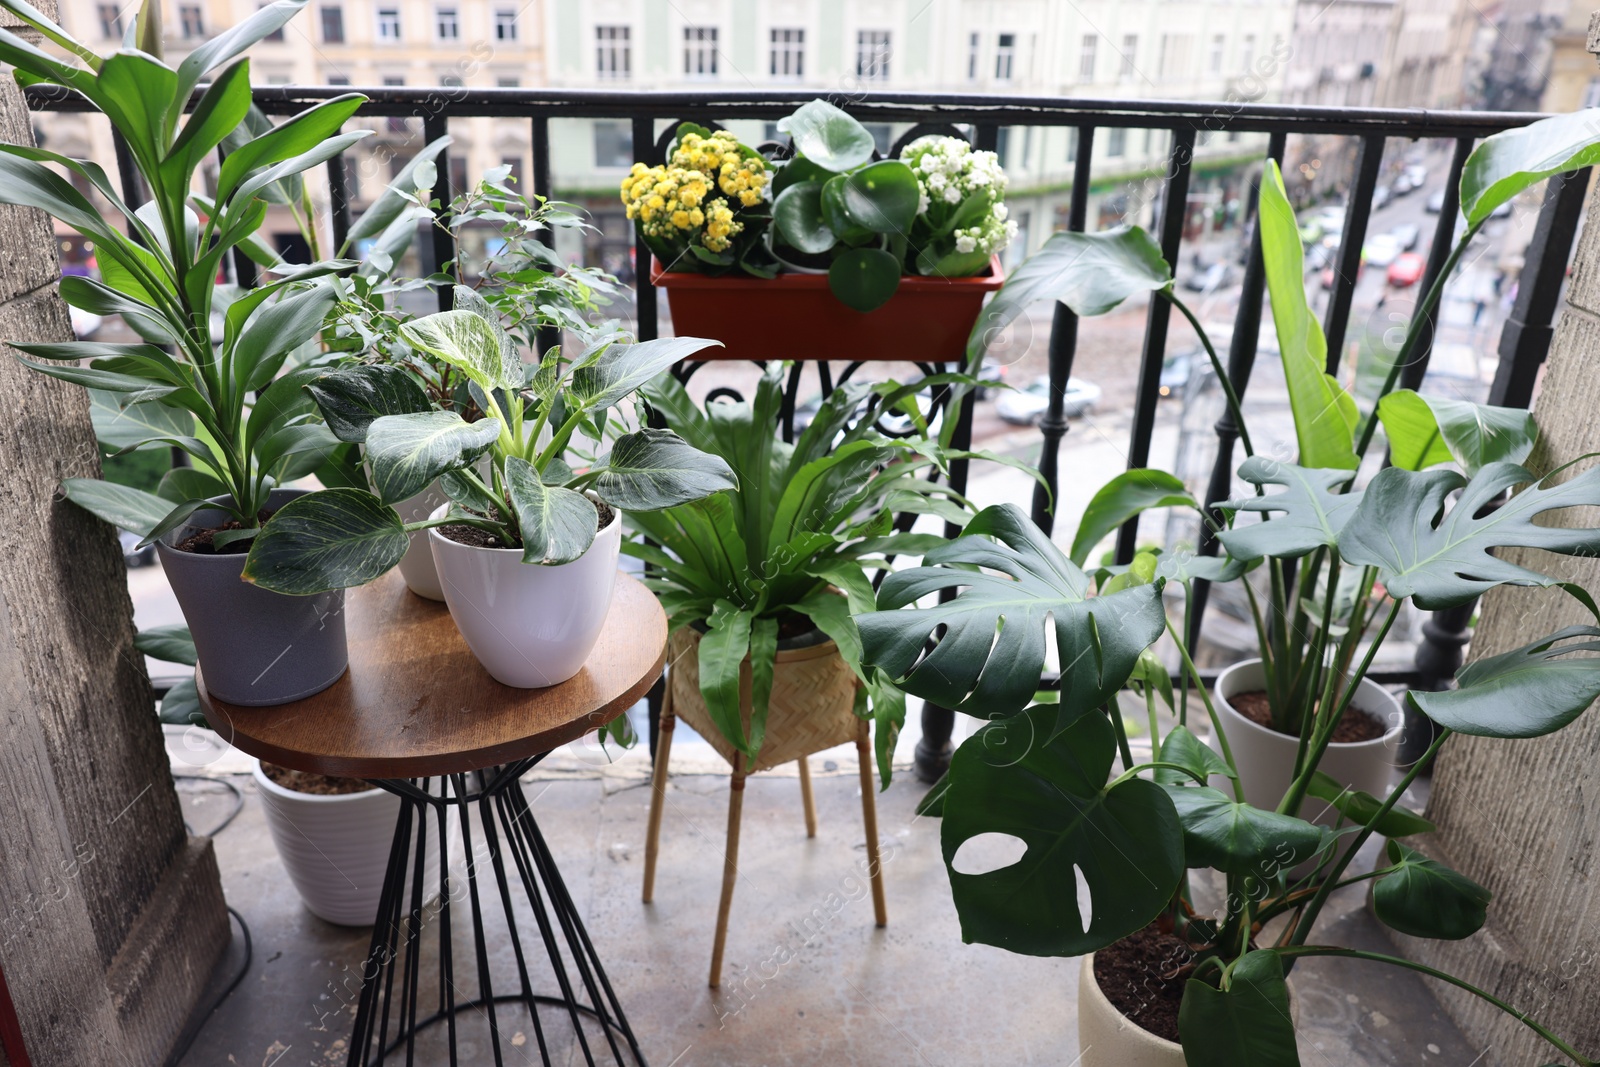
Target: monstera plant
[(1061, 775)]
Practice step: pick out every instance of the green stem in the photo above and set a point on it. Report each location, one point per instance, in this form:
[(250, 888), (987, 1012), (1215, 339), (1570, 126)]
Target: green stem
[(1115, 714), (1216, 365), (1216, 723), (1133, 772), (1378, 957)]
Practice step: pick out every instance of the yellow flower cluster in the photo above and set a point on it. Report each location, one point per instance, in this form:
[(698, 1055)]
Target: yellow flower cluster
[(718, 156), (670, 202)]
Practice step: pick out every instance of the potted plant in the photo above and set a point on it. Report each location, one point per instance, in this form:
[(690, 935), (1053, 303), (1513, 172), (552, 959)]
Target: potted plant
[(526, 555), (220, 394), (1045, 773), (897, 254)]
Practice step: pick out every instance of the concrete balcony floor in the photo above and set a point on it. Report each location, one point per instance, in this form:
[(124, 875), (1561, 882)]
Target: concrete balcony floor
[(849, 994)]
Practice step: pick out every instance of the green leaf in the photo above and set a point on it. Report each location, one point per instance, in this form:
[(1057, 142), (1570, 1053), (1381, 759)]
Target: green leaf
[(1311, 511), (974, 667), (881, 197), (1128, 494), (653, 469), (1360, 808), (828, 137), (1322, 428), (419, 173), (837, 214), (122, 506), (621, 369), (119, 427), (1248, 1023), (250, 159), (1513, 160), (1424, 430), (332, 539), (466, 340), (864, 278), (723, 648), (1442, 558), (181, 705), (1013, 777), (1182, 747), (1234, 837), (170, 643), (797, 218), (232, 41), (557, 525), (763, 661), (218, 113), (190, 483), (1527, 692), (1424, 898), (409, 451), (351, 398), (138, 388), (796, 170), (277, 328)]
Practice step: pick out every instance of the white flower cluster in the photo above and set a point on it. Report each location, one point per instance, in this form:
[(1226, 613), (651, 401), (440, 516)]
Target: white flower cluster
[(949, 172)]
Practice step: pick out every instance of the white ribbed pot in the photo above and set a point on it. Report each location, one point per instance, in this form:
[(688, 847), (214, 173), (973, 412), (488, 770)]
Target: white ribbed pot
[(530, 626), (1108, 1038), (336, 848), (1265, 757), (416, 566)]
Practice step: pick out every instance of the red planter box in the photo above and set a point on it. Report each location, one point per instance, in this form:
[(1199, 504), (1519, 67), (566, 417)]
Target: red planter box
[(796, 316)]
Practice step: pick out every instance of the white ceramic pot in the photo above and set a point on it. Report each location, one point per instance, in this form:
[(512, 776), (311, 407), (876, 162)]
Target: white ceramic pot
[(530, 626), (336, 848), (1265, 758), (1108, 1038), (416, 566)]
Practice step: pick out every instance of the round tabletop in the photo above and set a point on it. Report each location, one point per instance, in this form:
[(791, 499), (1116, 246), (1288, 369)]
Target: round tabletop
[(416, 702)]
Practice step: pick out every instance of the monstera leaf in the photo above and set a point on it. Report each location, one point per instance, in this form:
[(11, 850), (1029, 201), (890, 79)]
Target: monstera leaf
[(1424, 898), (1247, 1021), (972, 667), (1234, 837), (1424, 430), (1444, 558), (1311, 511), (1124, 841), (1527, 692)]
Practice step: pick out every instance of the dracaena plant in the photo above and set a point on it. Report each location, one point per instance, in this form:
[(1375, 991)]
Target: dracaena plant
[(214, 391), (800, 540), (536, 417), (1418, 532)]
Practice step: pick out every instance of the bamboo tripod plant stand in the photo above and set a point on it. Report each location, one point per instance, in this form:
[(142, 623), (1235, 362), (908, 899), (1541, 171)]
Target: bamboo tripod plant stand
[(812, 708)]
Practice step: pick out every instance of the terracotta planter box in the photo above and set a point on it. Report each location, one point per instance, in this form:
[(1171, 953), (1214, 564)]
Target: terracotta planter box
[(796, 316)]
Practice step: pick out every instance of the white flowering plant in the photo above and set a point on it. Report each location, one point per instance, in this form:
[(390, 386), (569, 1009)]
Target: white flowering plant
[(961, 216)]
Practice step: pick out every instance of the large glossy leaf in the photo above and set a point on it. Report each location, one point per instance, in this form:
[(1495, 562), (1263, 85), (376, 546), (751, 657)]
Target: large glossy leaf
[(466, 340), (277, 328), (1125, 843), (330, 539), (992, 654), (419, 173), (350, 398), (1226, 835), (1091, 273), (1443, 558), (557, 525), (1527, 692), (653, 469), (797, 218), (1183, 748), (1245, 1025), (828, 137), (1323, 413), (136, 387), (407, 452), (1307, 515), (122, 506), (882, 197), (723, 647), (251, 158), (119, 426), (1512, 160), (1128, 494), (218, 113), (1424, 430), (1360, 808), (864, 278), (173, 643), (181, 705), (622, 369), (1424, 898)]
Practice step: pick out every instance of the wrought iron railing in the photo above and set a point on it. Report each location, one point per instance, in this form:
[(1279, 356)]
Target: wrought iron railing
[(1523, 344)]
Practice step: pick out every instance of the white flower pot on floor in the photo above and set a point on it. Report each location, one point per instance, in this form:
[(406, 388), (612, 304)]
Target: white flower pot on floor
[(1108, 1038)]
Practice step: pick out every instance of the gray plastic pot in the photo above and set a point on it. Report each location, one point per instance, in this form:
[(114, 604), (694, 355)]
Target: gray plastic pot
[(255, 648)]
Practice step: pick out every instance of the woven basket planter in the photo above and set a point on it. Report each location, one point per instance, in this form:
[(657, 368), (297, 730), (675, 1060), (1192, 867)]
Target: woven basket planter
[(812, 705)]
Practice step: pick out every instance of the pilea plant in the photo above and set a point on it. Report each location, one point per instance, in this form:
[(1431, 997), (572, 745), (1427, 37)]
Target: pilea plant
[(1045, 772)]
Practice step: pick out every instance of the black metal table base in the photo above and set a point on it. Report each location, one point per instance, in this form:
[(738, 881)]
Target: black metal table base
[(513, 851)]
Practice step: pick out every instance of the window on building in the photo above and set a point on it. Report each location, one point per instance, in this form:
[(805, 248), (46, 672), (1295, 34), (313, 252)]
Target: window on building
[(336, 79), (974, 51), (505, 24), (1172, 62), (276, 36), (1116, 142), (788, 57), (332, 24), (872, 55), (613, 57), (1591, 93), (450, 81), (1086, 50), (395, 123), (1130, 56), (1219, 47), (388, 24), (1002, 145), (458, 173), (770, 132), (613, 144), (111, 22), (447, 24), (700, 51), (190, 22), (1005, 56), (508, 81), (1247, 52)]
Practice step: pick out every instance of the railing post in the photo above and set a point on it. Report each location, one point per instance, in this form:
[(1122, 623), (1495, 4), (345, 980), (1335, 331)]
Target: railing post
[(338, 203), (442, 245), (647, 326)]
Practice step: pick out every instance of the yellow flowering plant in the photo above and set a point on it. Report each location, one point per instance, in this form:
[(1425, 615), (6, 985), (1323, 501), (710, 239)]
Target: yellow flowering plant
[(706, 209)]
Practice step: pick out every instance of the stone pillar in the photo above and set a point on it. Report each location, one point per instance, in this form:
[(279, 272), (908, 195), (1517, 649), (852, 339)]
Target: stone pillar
[(1523, 817), (111, 915)]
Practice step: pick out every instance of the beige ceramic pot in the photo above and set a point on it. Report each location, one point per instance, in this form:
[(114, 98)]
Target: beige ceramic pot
[(1108, 1038)]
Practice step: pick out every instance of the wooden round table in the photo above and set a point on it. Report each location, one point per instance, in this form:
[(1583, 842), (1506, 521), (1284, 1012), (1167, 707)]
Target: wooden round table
[(416, 714)]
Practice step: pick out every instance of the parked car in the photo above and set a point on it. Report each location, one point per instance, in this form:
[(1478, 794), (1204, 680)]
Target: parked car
[(1404, 185), (1381, 249), (1381, 195), (1406, 270), (1408, 234), (1435, 203), (1418, 174), (1331, 275), (1209, 280), (1025, 406), (133, 555)]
